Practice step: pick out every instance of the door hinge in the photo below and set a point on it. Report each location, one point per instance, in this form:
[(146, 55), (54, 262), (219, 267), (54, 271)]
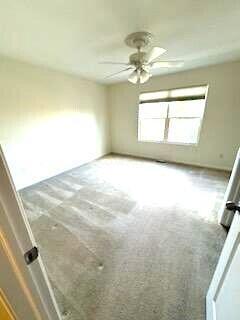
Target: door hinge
[(31, 255), (232, 206)]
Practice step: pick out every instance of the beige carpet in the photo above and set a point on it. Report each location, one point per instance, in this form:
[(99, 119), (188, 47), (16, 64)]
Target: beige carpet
[(129, 239)]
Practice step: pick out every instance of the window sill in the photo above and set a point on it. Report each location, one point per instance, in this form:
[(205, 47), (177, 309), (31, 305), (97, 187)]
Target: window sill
[(171, 143)]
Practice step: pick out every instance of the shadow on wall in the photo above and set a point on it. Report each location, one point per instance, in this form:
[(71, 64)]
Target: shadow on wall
[(53, 145)]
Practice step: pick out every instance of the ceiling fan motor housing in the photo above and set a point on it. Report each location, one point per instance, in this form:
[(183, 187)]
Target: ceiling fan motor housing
[(137, 59)]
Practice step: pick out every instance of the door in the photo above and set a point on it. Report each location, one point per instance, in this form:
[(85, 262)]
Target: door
[(25, 292), (232, 193), (223, 298)]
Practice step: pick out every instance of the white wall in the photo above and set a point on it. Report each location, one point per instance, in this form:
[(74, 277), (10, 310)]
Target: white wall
[(49, 121), (220, 134)]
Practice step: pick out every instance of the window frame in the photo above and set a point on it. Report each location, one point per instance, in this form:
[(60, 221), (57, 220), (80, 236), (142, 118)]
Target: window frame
[(167, 121)]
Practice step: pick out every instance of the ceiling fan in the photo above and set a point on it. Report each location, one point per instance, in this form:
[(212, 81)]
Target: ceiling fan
[(141, 63)]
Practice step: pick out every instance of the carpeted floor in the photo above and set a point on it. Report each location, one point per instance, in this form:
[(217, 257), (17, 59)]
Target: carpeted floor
[(129, 239)]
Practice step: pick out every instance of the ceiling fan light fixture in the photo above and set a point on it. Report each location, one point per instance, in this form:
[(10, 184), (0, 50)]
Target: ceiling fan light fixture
[(144, 76), (133, 78)]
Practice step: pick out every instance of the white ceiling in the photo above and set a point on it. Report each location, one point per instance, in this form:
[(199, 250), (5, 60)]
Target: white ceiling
[(75, 35)]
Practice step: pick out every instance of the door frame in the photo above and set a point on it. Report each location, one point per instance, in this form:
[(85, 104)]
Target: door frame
[(16, 237)]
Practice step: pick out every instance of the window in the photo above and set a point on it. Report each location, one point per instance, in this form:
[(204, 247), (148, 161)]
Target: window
[(172, 116)]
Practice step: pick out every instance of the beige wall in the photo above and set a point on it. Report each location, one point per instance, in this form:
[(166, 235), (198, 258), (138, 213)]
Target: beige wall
[(220, 134), (49, 122)]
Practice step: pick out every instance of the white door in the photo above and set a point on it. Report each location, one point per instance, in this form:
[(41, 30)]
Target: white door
[(232, 193), (24, 287), (223, 298)]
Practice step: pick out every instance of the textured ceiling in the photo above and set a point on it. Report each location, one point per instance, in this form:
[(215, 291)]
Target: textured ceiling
[(75, 35)]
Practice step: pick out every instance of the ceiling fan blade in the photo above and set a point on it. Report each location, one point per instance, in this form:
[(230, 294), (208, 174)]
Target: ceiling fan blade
[(167, 64), (144, 76), (133, 78), (117, 73), (117, 63), (153, 54)]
